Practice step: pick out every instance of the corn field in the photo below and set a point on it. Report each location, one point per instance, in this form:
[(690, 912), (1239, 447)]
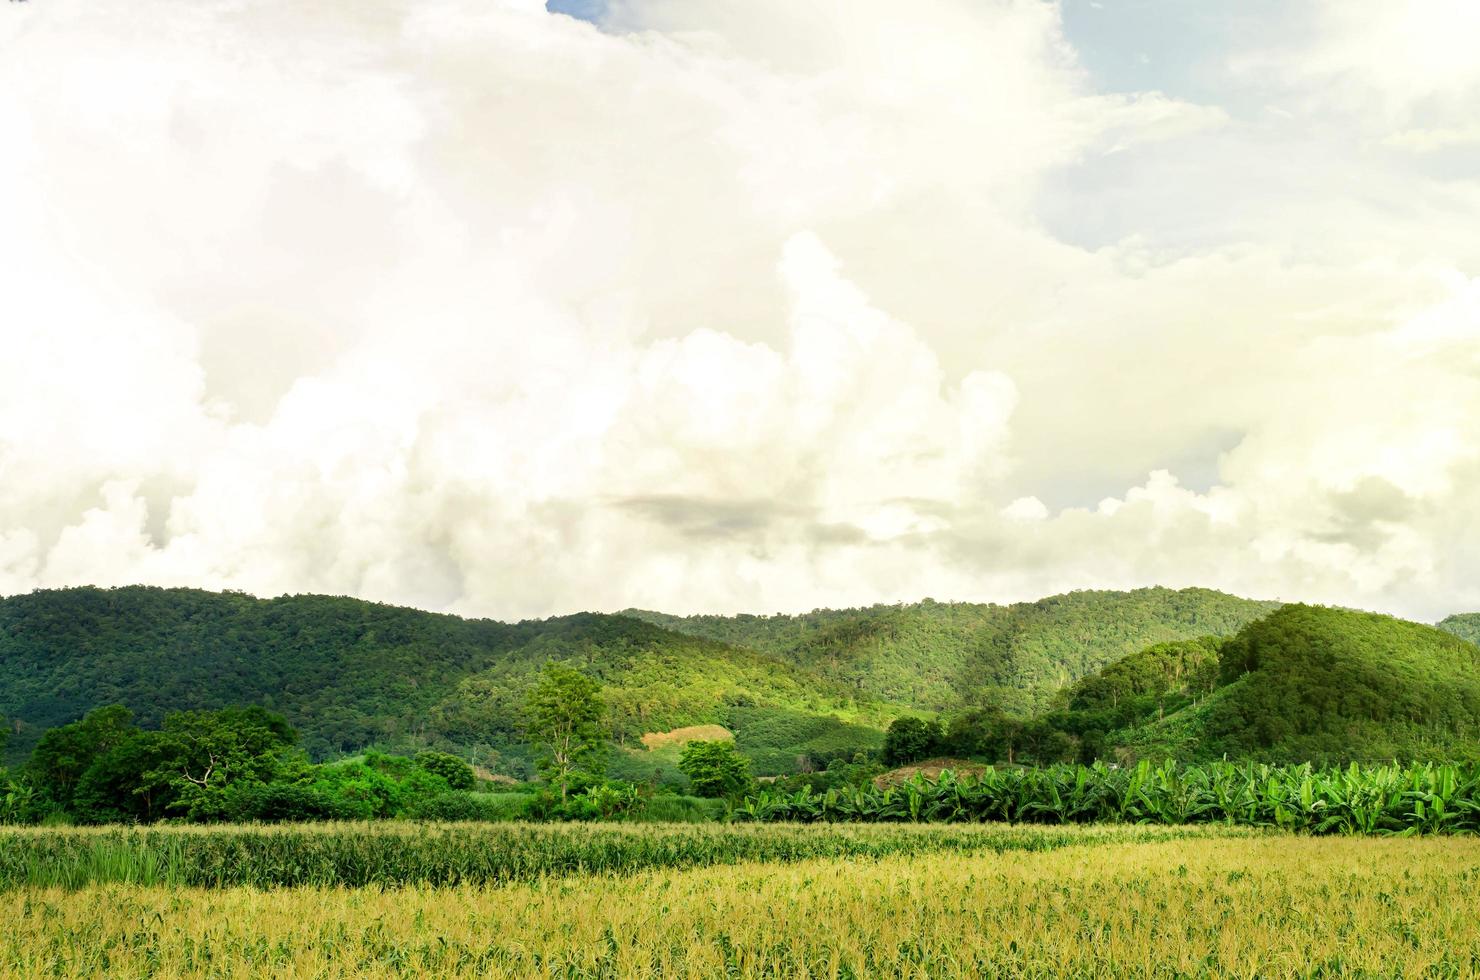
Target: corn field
[(397, 854), (1264, 906), (1420, 799)]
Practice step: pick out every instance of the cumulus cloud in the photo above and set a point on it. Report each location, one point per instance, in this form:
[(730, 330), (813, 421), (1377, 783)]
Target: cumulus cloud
[(717, 306)]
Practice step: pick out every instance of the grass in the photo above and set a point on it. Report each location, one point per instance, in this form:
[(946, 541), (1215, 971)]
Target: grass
[(1257, 906), (400, 854)]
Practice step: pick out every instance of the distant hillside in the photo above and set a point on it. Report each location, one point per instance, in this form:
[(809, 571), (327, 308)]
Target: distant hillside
[(944, 656), (349, 673), (1466, 626), (1310, 683)]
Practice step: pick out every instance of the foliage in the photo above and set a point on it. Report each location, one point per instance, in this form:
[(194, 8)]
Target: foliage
[(1377, 800), (780, 741), (17, 800), (1466, 626), (564, 717), (1306, 683), (1333, 685), (205, 756), (462, 806), (349, 675), (950, 656), (715, 768), (911, 739), (459, 774), (64, 754), (439, 855)]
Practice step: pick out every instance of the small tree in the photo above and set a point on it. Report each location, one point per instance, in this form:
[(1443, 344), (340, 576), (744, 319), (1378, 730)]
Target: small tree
[(564, 717), (910, 740), (714, 768)]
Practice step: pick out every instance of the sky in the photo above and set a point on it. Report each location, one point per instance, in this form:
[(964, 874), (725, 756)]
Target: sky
[(742, 305)]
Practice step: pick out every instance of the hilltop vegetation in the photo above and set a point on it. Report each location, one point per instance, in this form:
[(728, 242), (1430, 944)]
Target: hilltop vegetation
[(1466, 626), (1304, 684), (349, 674), (1191, 674), (947, 656), (1316, 684)]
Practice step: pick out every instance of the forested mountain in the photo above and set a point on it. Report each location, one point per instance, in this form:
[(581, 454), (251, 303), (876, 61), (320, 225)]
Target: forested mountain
[(946, 656), (1192, 673), (1310, 683), (349, 673), (1465, 626)]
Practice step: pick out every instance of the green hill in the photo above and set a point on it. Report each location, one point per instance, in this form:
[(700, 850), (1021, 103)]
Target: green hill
[(1192, 673), (946, 656), (349, 673), (1310, 683), (1466, 626)]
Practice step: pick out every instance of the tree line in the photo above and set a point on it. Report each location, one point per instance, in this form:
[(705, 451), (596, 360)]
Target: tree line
[(240, 764)]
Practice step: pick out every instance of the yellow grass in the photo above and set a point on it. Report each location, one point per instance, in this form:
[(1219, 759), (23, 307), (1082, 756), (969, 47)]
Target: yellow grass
[(685, 735), (1254, 907)]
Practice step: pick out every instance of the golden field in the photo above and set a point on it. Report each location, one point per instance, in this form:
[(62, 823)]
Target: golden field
[(1263, 906)]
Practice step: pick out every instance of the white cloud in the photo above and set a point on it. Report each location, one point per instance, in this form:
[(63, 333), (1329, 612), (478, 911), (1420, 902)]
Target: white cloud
[(731, 306)]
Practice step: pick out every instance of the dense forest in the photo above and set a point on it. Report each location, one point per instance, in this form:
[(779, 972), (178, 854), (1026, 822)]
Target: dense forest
[(1305, 684), (949, 656), (349, 674), (1153, 673), (1465, 625)]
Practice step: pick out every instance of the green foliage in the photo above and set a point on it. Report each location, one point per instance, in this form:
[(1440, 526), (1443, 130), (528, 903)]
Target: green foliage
[(205, 756), (912, 739), (1187, 667), (715, 768), (461, 806), (950, 656), (565, 718), (780, 741), (1466, 626), (399, 855), (1354, 800), (64, 754), (459, 774), (1334, 685), (375, 786), (1306, 683), (17, 800), (349, 674), (669, 808)]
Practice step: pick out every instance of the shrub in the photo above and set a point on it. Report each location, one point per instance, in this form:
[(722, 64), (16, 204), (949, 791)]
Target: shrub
[(463, 806), (459, 774), (285, 802), (910, 740)]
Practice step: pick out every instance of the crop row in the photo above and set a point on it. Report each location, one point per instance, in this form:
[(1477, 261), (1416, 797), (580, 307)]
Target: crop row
[(1356, 800), (449, 854)]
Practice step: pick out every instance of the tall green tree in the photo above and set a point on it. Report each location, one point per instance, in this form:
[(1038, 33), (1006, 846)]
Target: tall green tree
[(565, 719), (715, 768)]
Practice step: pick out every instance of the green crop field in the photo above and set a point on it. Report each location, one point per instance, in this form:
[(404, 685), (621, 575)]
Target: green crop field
[(771, 901)]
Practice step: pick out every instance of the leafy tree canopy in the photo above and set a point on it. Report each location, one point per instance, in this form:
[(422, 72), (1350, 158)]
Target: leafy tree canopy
[(715, 768), (565, 718)]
